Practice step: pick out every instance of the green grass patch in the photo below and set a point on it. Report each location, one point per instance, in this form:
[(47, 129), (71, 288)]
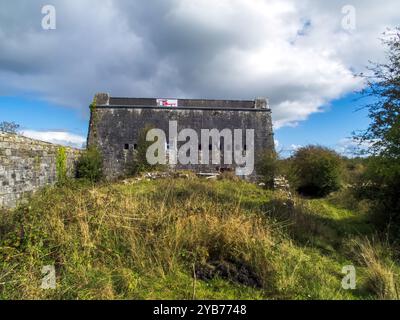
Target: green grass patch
[(188, 239)]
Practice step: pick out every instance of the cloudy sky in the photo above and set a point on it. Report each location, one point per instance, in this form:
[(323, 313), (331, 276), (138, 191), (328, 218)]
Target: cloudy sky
[(302, 55)]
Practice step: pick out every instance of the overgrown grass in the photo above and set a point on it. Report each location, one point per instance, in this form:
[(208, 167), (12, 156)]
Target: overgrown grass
[(187, 239)]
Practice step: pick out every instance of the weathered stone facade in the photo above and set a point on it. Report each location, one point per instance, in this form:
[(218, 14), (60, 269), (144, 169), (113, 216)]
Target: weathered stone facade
[(116, 123), (26, 165)]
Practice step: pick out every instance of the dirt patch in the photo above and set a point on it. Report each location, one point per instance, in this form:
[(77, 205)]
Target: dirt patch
[(235, 271)]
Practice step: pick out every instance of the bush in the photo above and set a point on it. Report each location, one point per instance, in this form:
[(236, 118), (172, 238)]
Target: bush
[(268, 167), (354, 170), (90, 165), (316, 171), (61, 165), (380, 184)]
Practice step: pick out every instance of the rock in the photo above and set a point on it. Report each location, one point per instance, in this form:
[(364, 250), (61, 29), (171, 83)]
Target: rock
[(212, 178)]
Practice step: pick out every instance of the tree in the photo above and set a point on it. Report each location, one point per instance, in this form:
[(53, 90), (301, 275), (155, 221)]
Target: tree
[(383, 87), (9, 127), (381, 182), (317, 171)]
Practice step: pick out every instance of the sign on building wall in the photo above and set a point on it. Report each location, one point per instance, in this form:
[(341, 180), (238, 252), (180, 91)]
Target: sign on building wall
[(167, 102)]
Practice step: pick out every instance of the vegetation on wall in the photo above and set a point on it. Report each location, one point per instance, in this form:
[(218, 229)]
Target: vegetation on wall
[(139, 163), (61, 164), (93, 119)]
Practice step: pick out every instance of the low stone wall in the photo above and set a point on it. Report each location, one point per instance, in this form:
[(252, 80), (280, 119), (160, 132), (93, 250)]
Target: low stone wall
[(26, 165)]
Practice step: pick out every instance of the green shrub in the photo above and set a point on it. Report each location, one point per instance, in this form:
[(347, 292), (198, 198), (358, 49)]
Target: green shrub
[(317, 171), (268, 167), (380, 185), (90, 165), (354, 169), (61, 165)]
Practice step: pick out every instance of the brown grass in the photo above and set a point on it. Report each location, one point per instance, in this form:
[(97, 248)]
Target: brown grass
[(381, 278)]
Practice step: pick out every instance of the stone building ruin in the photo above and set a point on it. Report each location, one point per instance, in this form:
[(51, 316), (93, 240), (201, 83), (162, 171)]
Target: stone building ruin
[(116, 123)]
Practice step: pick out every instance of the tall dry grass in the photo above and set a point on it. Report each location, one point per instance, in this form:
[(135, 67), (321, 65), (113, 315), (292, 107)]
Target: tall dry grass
[(381, 277), (177, 238), (155, 231)]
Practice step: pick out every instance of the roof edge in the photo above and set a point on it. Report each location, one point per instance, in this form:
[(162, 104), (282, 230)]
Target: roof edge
[(104, 100)]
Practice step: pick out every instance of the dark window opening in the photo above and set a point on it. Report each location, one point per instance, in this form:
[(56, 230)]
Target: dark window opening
[(135, 146), (200, 147), (210, 147), (126, 147), (245, 147)]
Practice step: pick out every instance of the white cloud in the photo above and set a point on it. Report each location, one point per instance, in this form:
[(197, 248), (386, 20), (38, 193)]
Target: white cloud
[(286, 151), (350, 147), (293, 52), (295, 147), (56, 137)]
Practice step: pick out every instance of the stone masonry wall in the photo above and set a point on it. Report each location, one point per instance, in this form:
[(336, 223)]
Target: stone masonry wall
[(119, 127), (26, 165)]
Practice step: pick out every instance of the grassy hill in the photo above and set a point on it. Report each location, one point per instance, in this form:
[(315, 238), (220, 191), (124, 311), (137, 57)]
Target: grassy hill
[(189, 239)]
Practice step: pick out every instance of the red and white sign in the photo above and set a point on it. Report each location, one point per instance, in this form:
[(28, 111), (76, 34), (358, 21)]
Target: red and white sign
[(167, 102)]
